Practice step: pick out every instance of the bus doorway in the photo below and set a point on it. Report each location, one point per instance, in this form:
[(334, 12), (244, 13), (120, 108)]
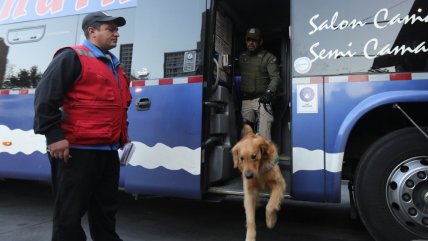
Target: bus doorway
[(232, 19)]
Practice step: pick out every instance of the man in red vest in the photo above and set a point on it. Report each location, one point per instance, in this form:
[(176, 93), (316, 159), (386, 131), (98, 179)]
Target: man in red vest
[(81, 107)]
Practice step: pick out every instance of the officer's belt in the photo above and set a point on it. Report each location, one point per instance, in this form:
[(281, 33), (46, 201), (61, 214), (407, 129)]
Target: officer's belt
[(250, 96)]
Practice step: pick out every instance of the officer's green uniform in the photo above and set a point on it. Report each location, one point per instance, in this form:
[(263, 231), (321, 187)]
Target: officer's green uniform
[(259, 73)]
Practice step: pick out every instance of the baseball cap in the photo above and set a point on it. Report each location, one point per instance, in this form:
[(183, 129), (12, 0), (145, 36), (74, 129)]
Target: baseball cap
[(101, 17), (254, 33)]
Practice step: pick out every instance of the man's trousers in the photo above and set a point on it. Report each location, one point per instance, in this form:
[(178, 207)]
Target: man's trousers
[(251, 110), (88, 182)]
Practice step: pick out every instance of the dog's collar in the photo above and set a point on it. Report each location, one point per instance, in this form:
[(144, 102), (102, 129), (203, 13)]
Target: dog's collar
[(268, 167)]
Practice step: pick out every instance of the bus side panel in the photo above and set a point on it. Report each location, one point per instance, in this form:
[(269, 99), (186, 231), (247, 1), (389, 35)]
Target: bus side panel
[(22, 166), (167, 159), (308, 141), (22, 153), (343, 99)]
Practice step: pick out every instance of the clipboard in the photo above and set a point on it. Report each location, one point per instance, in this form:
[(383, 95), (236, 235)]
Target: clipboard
[(126, 153)]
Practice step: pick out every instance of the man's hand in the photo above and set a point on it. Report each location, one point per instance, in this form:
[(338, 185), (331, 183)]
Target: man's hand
[(59, 150), (266, 98)]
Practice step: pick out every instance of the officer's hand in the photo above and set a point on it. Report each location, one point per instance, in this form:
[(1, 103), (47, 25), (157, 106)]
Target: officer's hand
[(59, 150), (266, 98)]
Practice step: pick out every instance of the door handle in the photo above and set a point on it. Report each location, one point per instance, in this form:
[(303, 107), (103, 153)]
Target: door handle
[(142, 104)]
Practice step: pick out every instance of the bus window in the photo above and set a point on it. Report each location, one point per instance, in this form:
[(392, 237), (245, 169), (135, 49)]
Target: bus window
[(168, 39), (40, 39), (348, 37)]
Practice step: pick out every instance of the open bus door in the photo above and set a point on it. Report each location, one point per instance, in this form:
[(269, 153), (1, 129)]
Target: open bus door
[(165, 117), (230, 20)]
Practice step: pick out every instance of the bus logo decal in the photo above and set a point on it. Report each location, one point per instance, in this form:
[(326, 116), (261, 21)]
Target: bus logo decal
[(13, 11)]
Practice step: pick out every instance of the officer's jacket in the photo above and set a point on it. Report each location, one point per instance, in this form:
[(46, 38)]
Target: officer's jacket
[(259, 73), (96, 106)]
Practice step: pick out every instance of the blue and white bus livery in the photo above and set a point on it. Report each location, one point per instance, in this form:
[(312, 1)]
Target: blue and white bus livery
[(352, 105)]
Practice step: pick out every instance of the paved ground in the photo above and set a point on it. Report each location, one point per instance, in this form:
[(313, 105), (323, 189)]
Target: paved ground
[(25, 215)]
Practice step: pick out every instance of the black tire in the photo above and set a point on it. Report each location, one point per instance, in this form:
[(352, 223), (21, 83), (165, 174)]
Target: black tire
[(384, 200)]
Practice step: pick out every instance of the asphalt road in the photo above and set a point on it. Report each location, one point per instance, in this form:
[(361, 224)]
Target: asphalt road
[(26, 209)]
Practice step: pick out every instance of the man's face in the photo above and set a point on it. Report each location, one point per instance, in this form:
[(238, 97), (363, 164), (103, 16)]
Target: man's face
[(106, 37), (252, 44)]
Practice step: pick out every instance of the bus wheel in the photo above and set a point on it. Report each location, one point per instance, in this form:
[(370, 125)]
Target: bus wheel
[(391, 186)]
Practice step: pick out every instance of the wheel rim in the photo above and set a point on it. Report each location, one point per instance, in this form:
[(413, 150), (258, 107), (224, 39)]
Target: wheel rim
[(407, 194)]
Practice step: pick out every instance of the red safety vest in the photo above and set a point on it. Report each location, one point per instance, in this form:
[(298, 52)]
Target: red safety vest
[(96, 106)]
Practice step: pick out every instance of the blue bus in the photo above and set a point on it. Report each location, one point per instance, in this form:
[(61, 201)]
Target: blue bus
[(352, 103)]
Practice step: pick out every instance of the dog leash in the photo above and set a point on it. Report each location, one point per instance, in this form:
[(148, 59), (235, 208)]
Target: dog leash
[(256, 123)]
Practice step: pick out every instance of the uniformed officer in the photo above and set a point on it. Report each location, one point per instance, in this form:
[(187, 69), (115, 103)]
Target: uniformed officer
[(259, 80)]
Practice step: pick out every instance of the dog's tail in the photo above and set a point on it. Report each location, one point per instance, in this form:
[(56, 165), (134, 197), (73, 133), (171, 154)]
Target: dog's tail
[(247, 129)]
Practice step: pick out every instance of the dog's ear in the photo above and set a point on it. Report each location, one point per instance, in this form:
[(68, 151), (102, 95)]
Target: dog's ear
[(235, 155), (268, 148), (247, 129)]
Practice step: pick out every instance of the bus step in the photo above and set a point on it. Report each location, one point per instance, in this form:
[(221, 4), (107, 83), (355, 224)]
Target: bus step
[(284, 157), (235, 187), (284, 162)]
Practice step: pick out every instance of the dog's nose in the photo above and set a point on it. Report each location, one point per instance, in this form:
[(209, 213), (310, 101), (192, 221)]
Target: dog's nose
[(249, 174)]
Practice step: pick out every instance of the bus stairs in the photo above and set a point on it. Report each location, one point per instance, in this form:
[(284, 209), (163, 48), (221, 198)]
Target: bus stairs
[(234, 186)]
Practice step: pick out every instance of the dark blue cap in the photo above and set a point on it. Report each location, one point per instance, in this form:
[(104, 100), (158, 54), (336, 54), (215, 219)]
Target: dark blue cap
[(101, 17)]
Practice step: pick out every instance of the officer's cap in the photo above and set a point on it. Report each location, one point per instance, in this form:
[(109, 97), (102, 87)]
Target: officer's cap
[(101, 17), (254, 33)]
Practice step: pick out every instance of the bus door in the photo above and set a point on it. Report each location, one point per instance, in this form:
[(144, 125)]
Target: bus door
[(165, 117), (219, 105), (232, 19)]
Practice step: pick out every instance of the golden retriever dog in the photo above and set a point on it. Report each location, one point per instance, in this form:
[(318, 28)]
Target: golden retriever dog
[(257, 159)]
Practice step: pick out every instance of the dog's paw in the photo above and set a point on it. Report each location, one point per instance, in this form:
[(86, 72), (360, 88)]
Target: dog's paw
[(271, 218), (251, 235)]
